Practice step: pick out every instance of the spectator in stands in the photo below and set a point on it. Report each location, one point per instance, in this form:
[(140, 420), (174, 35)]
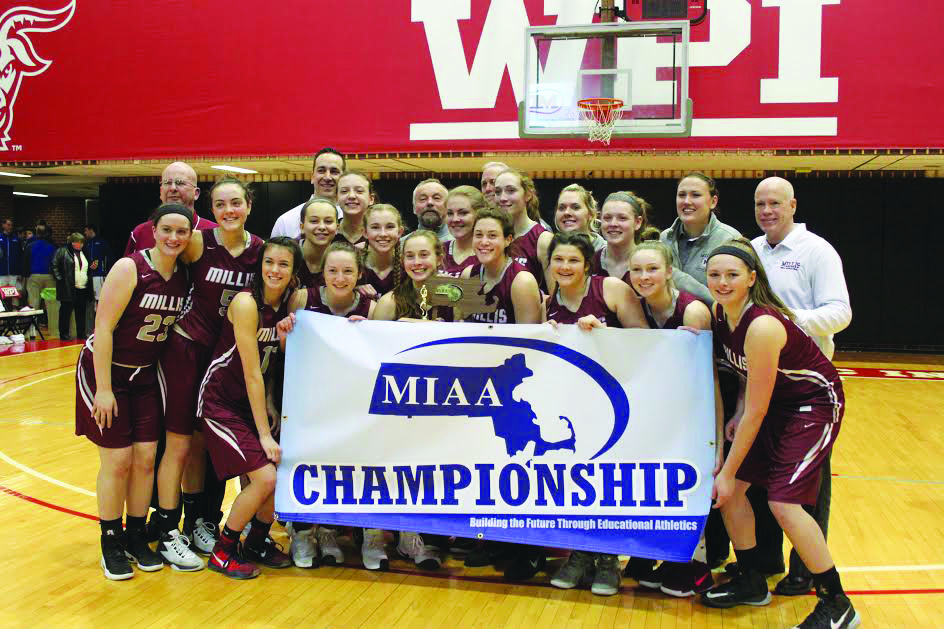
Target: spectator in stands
[(37, 258), (326, 171), (11, 253), (178, 185), (70, 267), (100, 257)]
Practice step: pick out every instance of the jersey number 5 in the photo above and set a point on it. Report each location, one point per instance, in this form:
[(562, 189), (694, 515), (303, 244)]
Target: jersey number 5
[(152, 323)]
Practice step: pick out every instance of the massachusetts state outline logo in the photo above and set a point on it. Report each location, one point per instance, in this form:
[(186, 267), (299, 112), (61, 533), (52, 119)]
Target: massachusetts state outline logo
[(18, 58)]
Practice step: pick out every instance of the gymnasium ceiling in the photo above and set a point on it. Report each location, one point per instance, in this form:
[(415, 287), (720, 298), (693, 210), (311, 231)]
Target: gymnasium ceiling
[(81, 179)]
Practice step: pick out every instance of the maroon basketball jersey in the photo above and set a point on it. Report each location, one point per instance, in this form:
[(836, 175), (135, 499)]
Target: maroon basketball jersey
[(316, 303), (142, 236), (308, 278), (525, 252), (382, 286), (804, 376), (339, 237), (676, 319), (217, 276), (593, 303), (596, 267), (450, 266), (151, 311), (223, 392), (500, 293)]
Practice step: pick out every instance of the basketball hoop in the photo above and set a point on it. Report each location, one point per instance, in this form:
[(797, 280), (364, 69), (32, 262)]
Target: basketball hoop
[(601, 114)]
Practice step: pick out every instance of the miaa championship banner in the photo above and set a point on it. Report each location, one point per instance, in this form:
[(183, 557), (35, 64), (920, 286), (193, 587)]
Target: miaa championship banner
[(600, 441)]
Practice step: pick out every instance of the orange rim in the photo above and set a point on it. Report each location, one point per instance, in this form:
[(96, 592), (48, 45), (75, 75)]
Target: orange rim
[(599, 104)]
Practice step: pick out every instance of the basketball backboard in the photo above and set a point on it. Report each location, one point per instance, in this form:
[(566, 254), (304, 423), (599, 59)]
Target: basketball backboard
[(644, 64)]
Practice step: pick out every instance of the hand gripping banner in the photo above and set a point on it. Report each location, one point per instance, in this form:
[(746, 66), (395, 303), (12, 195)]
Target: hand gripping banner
[(600, 441)]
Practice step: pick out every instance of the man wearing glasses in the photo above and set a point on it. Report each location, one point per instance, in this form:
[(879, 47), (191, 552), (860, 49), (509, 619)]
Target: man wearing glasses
[(178, 185)]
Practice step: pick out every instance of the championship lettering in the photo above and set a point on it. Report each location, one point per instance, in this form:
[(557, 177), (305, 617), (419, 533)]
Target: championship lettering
[(628, 484)]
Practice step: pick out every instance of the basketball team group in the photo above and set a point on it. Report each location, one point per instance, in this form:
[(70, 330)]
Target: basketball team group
[(180, 385)]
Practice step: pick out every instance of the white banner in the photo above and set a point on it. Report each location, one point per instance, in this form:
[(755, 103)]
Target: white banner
[(600, 441)]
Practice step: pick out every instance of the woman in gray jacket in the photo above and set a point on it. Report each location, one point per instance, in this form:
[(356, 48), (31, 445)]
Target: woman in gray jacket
[(696, 232)]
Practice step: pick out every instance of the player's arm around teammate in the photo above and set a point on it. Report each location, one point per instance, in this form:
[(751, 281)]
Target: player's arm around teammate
[(785, 434), (139, 300)]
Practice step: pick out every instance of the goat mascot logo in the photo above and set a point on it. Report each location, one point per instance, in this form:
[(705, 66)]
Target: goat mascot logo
[(18, 58)]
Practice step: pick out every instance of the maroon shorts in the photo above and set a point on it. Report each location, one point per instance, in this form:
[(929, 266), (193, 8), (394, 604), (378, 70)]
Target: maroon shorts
[(138, 393), (234, 447), (788, 452), (185, 362)]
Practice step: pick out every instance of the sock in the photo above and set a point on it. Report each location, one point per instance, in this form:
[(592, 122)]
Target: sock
[(828, 584), (257, 532), (193, 508), (229, 537), (111, 528), (167, 519), (746, 558), (136, 523)]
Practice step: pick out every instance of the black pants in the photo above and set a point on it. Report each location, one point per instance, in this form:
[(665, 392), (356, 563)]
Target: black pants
[(79, 303)]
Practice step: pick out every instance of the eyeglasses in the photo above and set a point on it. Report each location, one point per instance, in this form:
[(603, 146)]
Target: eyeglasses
[(179, 183)]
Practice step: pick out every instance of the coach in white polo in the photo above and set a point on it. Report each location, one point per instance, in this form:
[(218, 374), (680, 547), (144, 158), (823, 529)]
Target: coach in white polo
[(806, 273), (804, 270)]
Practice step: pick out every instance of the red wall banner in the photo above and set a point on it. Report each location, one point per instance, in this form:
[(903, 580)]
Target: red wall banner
[(85, 79)]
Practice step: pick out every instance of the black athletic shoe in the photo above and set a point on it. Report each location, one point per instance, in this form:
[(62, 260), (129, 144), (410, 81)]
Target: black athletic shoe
[(793, 586), (153, 530), (138, 552), (488, 553), (744, 589), (115, 563), (836, 613), (526, 563), (638, 568), (268, 554)]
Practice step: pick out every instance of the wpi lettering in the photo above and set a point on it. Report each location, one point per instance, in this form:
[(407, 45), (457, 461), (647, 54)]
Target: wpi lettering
[(646, 484)]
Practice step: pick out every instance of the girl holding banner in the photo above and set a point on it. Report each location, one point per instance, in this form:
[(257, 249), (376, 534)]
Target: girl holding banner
[(667, 308), (509, 283), (421, 256), (232, 404), (787, 425), (504, 279), (119, 386), (590, 302)]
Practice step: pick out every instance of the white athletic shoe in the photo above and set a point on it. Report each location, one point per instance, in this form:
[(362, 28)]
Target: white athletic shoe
[(411, 546), (303, 550), (204, 536), (331, 554), (18, 339), (372, 550), (175, 549)]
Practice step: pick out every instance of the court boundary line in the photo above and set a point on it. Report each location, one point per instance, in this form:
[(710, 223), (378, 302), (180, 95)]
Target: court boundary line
[(23, 468), (35, 351), (500, 581)]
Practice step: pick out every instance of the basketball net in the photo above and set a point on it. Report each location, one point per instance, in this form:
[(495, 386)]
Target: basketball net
[(601, 115)]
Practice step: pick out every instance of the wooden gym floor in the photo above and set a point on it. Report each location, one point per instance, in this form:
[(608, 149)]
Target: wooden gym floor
[(886, 534)]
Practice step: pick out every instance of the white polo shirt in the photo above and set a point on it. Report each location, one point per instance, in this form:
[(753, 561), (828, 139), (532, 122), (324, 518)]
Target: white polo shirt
[(289, 224), (806, 273)]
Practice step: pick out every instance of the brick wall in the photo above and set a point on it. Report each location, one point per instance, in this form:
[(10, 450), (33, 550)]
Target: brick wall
[(63, 214)]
